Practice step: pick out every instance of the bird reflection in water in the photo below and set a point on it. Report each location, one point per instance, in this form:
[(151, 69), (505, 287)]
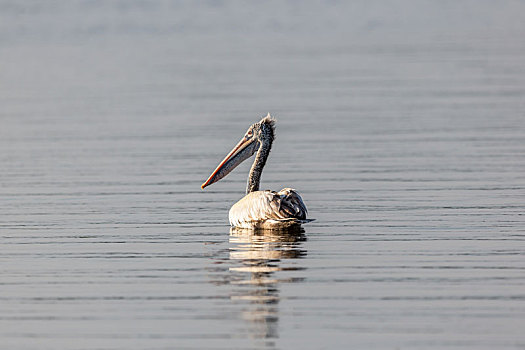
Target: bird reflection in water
[(258, 258)]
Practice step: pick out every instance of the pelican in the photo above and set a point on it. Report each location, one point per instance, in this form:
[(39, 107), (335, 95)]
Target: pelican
[(260, 209)]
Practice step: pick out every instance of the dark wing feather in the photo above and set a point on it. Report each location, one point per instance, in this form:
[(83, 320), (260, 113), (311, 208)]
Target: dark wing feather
[(291, 204)]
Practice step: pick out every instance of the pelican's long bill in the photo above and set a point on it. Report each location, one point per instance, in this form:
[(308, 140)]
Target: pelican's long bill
[(242, 151)]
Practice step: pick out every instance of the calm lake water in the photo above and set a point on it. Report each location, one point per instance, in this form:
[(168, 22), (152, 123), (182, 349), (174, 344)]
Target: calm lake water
[(402, 124)]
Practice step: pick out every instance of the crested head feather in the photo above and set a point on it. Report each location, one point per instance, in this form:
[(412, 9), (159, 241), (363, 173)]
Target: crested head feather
[(269, 120)]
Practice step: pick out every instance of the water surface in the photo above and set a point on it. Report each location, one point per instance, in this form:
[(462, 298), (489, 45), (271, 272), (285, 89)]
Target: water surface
[(402, 125)]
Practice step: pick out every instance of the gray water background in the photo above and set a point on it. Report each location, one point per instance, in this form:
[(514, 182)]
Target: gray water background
[(401, 123)]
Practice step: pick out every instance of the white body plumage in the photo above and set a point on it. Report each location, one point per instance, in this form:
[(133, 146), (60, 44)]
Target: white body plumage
[(269, 209)]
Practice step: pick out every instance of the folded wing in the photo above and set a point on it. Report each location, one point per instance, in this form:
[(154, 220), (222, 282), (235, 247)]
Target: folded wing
[(268, 206)]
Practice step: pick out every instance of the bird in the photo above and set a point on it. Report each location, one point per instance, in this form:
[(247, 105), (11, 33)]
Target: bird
[(266, 210)]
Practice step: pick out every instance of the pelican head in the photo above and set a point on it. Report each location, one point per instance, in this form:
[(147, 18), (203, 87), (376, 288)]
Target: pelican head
[(261, 133)]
